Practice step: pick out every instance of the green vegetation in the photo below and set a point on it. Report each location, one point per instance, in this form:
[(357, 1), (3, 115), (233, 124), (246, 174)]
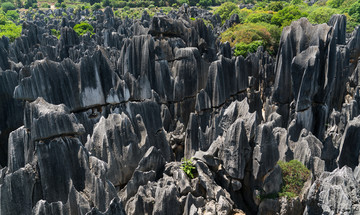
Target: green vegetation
[(243, 48), (7, 27), (321, 15), (285, 16), (226, 10), (7, 6), (56, 33), (294, 174), (83, 28), (96, 6), (262, 25), (249, 36), (188, 167), (12, 15), (45, 5)]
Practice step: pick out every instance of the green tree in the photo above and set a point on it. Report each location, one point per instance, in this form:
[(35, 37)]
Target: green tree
[(193, 2), (8, 28), (321, 15), (94, 1), (275, 6), (226, 10), (205, 3), (7, 6), (105, 3), (285, 16), (96, 6), (83, 28), (334, 3), (354, 11), (244, 49), (250, 32), (18, 3), (259, 17), (12, 15)]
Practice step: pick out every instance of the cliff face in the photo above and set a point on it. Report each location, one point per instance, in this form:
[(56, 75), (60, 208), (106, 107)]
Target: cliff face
[(98, 124)]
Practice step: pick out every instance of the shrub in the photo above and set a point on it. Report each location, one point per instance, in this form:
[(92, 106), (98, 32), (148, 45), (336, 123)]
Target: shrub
[(334, 3), (243, 48), (275, 6), (12, 15), (259, 17), (96, 6), (94, 1), (63, 5), (45, 5), (188, 167), (105, 3), (29, 3), (9, 29), (83, 28), (250, 32), (321, 15), (56, 33), (205, 3), (294, 175), (285, 16), (7, 6), (354, 11), (34, 5), (226, 10), (57, 4), (3, 19)]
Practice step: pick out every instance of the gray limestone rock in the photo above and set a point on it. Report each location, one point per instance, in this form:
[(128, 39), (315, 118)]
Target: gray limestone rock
[(265, 154), (349, 147), (11, 110), (269, 207), (166, 200), (47, 121), (16, 191), (115, 142), (149, 169), (235, 150), (88, 82), (21, 149), (334, 192), (339, 23), (308, 150), (273, 181)]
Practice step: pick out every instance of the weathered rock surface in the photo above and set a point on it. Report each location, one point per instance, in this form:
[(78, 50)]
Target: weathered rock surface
[(98, 123), (335, 192)]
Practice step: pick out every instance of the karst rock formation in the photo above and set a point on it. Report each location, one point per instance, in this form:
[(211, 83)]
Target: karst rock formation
[(98, 123)]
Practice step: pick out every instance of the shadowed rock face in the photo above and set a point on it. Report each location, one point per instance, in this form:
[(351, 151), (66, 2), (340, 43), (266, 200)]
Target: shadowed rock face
[(310, 66), (98, 124)]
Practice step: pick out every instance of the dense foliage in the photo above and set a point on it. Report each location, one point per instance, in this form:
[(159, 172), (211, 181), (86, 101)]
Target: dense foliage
[(262, 25), (253, 34), (83, 28), (226, 10), (294, 175), (243, 49), (7, 27)]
